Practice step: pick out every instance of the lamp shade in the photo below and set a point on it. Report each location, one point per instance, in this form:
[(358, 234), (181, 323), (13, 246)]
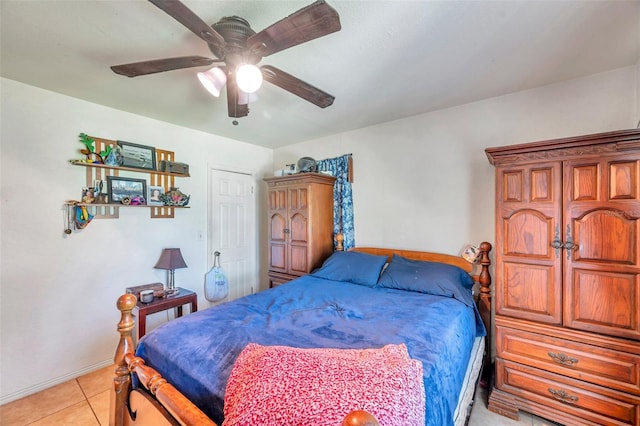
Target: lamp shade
[(170, 259), (213, 80)]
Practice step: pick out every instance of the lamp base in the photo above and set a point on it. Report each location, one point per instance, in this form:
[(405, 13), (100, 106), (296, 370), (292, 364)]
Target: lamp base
[(171, 292)]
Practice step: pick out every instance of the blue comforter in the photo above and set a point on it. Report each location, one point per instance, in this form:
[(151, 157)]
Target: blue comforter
[(196, 353)]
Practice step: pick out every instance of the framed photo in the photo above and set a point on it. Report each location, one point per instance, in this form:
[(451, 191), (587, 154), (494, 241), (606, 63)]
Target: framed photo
[(121, 189), (137, 156), (154, 196)]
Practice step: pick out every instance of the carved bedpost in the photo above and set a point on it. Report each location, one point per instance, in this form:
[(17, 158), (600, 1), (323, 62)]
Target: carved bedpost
[(339, 242), (484, 304), (122, 380)]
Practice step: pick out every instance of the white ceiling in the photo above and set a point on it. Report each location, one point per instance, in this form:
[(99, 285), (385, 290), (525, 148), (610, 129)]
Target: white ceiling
[(392, 59)]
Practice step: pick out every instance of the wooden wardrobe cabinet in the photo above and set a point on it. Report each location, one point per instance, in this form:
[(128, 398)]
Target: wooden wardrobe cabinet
[(300, 224), (567, 291)]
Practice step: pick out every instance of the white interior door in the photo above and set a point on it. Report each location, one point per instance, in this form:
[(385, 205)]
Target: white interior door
[(232, 229)]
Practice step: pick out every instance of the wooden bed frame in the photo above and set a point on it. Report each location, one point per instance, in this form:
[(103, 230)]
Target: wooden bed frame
[(163, 404)]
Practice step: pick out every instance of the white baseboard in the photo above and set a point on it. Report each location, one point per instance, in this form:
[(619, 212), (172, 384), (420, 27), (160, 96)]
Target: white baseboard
[(4, 399)]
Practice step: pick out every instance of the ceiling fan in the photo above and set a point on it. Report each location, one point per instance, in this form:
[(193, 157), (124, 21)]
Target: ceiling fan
[(238, 48)]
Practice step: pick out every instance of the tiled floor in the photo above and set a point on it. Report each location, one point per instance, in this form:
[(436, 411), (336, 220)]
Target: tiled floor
[(480, 416), (85, 402), (80, 402)]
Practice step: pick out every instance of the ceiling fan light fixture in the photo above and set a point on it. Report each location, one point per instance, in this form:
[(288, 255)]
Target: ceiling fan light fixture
[(248, 78), (245, 98), (213, 80)]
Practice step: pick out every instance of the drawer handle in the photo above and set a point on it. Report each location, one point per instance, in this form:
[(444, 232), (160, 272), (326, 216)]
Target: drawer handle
[(563, 359), (563, 396)]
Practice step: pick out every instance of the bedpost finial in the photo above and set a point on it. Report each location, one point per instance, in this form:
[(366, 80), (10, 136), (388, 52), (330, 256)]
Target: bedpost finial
[(485, 246), (360, 418), (126, 302)]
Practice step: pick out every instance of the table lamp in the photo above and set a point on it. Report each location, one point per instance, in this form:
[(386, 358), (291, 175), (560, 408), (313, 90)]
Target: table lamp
[(170, 259)]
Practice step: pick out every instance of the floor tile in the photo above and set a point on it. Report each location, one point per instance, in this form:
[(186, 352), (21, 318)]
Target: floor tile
[(41, 404), (79, 414), (100, 406), (98, 381)]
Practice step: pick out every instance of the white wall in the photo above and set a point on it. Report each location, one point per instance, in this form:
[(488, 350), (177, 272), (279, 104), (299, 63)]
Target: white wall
[(425, 183), (58, 295)]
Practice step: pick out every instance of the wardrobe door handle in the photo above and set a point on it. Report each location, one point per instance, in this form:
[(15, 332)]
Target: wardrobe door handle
[(557, 242), (563, 359), (563, 396), (569, 245)]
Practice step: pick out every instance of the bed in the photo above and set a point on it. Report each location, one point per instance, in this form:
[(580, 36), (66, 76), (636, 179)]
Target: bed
[(368, 304)]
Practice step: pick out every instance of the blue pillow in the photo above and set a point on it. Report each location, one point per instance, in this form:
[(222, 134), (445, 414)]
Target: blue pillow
[(434, 278), (353, 267)]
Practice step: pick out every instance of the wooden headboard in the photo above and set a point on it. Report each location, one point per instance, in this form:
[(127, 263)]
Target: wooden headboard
[(418, 255)]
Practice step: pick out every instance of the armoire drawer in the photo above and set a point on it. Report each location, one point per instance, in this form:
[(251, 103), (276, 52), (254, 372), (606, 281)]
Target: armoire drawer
[(604, 367), (580, 399)]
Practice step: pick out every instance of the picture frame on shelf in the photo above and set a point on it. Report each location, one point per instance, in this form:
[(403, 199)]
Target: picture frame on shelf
[(137, 156), (121, 190), (153, 198)]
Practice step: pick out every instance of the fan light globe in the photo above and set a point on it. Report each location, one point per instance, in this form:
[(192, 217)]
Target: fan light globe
[(213, 80), (248, 78)]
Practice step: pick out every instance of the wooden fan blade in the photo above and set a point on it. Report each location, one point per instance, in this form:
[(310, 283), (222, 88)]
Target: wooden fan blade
[(308, 23), (296, 86), (181, 13), (235, 109), (160, 65)]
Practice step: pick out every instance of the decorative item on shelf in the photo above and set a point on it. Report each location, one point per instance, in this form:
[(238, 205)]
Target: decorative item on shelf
[(173, 167), (88, 195), (174, 197), (153, 198), (170, 259), (118, 188), (114, 158), (125, 200), (82, 217), (89, 150), (138, 200), (138, 156)]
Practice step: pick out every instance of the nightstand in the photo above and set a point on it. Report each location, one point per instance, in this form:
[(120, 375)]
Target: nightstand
[(183, 297)]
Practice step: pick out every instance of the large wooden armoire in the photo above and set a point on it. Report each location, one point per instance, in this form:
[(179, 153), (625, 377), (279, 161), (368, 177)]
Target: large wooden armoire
[(567, 290), (300, 209)]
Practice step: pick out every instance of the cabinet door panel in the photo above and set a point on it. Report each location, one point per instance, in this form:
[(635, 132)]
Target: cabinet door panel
[(277, 226), (299, 261), (277, 199), (530, 292), (602, 274), (299, 228), (528, 206), (604, 302), (277, 257), (606, 236)]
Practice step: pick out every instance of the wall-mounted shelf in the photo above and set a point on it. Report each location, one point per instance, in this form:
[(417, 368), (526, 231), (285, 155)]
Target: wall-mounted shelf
[(101, 171), (129, 169)]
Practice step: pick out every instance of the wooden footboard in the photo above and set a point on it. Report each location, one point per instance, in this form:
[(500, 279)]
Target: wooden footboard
[(171, 408), (163, 404)]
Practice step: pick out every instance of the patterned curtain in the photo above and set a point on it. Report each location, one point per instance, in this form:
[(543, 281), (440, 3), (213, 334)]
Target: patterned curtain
[(342, 198)]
